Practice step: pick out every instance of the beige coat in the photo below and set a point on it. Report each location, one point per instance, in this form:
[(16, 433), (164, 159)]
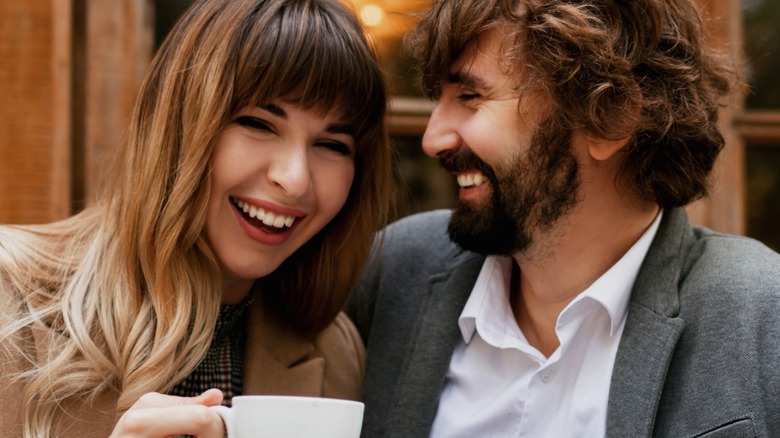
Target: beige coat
[(277, 361)]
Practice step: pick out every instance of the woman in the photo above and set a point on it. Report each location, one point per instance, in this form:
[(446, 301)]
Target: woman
[(225, 242)]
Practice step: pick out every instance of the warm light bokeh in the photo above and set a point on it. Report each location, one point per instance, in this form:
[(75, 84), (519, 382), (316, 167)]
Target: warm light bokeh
[(386, 22), (387, 18)]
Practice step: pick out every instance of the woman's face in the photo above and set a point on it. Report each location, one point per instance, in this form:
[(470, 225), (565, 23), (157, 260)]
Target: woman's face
[(279, 175)]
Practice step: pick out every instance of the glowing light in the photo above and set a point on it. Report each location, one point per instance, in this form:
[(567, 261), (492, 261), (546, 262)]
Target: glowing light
[(372, 15)]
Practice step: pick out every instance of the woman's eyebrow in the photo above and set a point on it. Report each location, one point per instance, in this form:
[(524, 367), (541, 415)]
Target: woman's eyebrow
[(274, 109), (333, 128), (340, 128)]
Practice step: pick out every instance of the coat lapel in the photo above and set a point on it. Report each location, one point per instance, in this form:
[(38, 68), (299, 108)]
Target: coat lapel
[(651, 333), (277, 359), (93, 417), (425, 367)]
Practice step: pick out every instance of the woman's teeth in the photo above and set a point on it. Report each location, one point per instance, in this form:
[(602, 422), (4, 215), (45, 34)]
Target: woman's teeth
[(470, 179), (266, 217)]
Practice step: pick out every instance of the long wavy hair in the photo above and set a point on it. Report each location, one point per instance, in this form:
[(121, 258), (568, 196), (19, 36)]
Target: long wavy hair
[(129, 288), (612, 68)]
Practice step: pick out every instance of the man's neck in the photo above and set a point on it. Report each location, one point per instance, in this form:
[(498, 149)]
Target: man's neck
[(567, 260)]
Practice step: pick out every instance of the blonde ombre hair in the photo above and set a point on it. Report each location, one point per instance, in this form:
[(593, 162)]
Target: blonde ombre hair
[(129, 289)]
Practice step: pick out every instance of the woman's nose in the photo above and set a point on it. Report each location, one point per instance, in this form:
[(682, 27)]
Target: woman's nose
[(441, 134), (290, 170)]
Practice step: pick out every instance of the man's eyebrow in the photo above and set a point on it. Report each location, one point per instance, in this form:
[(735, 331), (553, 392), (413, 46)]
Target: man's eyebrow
[(466, 79)]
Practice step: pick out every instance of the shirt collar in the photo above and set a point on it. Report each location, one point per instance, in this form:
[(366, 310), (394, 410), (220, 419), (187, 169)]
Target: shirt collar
[(489, 299), (488, 305), (613, 289)]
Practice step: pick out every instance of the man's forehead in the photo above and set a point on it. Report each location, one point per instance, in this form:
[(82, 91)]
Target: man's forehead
[(481, 62), (468, 61), (492, 42)]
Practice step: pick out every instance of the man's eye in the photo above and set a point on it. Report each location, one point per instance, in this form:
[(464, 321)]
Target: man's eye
[(253, 123), (467, 96)]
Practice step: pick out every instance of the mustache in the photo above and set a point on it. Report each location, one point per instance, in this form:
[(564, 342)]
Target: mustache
[(464, 159)]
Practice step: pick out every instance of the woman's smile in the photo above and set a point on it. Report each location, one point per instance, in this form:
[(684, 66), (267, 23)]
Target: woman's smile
[(264, 224)]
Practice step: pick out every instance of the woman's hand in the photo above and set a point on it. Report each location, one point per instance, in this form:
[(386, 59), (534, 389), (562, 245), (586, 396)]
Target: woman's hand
[(156, 415)]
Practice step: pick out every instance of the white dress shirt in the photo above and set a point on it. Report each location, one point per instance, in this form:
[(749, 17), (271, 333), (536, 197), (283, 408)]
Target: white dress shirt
[(498, 385)]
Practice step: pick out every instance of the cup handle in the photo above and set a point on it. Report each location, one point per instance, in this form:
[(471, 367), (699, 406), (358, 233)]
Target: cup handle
[(227, 418)]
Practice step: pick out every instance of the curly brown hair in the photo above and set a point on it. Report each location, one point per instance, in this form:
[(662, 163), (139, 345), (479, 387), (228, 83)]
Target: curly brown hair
[(612, 68)]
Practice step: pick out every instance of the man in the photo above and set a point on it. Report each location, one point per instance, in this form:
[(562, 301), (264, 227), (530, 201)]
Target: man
[(567, 294)]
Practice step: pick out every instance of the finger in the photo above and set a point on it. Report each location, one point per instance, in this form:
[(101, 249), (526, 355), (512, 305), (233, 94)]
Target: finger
[(155, 399), (192, 419), (209, 397)]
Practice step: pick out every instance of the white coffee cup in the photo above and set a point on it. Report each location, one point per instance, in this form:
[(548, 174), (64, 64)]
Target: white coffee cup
[(272, 416)]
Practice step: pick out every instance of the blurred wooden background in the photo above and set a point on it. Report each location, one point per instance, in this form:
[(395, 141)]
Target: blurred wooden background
[(70, 69)]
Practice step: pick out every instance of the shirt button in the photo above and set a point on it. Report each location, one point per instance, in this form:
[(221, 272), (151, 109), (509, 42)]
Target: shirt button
[(546, 376)]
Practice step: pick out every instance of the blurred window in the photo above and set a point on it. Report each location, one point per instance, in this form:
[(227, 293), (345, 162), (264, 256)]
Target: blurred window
[(763, 195), (759, 126), (762, 49)]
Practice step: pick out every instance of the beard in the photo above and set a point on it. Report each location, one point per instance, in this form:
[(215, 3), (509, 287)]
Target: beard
[(531, 193)]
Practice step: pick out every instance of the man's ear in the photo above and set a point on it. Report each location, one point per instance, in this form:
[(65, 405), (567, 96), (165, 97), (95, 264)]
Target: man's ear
[(601, 149)]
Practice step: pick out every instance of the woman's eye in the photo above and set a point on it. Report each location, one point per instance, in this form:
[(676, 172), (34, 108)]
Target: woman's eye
[(336, 146), (253, 123)]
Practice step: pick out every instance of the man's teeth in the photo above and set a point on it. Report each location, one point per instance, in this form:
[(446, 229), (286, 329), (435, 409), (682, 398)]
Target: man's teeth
[(470, 179), (266, 217)]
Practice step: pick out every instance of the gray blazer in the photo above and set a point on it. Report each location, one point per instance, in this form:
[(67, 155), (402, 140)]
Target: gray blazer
[(699, 356)]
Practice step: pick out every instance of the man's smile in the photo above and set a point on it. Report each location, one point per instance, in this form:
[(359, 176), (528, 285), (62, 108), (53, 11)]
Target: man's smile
[(470, 179)]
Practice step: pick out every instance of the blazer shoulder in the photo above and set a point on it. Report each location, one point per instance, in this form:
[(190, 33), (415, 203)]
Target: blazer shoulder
[(421, 233), (731, 278), (731, 261)]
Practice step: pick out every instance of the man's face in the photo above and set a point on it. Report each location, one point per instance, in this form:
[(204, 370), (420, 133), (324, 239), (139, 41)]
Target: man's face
[(516, 173)]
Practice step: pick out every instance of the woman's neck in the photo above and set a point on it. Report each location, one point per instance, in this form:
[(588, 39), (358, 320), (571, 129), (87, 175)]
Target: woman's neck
[(234, 290)]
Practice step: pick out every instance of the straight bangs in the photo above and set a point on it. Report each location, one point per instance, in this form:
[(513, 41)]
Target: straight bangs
[(315, 54)]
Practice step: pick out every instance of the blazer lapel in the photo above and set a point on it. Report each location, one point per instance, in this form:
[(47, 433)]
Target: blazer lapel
[(640, 370), (426, 365), (651, 333), (277, 360)]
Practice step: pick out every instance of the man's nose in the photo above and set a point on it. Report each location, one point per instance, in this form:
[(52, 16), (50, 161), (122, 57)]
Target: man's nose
[(441, 134)]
